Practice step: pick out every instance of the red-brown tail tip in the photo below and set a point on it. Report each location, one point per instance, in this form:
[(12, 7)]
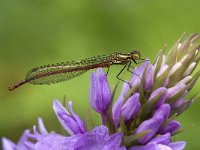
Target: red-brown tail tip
[(14, 86)]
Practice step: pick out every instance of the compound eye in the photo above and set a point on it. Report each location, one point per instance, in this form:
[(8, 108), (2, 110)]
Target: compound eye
[(135, 54)]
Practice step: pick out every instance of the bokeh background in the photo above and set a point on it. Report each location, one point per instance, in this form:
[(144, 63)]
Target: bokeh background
[(38, 32)]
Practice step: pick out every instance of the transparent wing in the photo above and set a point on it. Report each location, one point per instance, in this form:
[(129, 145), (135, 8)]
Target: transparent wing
[(55, 78), (59, 72)]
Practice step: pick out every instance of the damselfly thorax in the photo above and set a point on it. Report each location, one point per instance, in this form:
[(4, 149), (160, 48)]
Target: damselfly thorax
[(54, 73)]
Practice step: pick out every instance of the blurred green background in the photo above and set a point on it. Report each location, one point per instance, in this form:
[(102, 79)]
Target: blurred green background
[(38, 32)]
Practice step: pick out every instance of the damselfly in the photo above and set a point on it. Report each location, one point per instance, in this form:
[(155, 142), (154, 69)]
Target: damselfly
[(59, 72)]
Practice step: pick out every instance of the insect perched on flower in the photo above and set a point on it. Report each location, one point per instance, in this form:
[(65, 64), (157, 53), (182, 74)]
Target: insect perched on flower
[(59, 72), (142, 118)]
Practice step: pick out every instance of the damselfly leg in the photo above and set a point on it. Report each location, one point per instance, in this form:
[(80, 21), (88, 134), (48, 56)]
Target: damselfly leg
[(107, 71), (121, 73), (142, 60), (131, 67)]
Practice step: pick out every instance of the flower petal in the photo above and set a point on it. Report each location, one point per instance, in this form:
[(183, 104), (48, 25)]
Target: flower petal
[(162, 71), (153, 125), (71, 123), (42, 128), (131, 107), (175, 68), (137, 74), (149, 78), (180, 101), (116, 110), (99, 138), (163, 111), (138, 148), (178, 145), (8, 144), (50, 142), (58, 107), (100, 94), (162, 139), (21, 145), (171, 127), (76, 117), (115, 139), (162, 97), (174, 90), (189, 69), (105, 89), (163, 147)]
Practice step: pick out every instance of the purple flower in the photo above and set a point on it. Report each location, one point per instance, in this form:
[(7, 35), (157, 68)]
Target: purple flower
[(99, 138), (177, 145), (116, 110), (23, 143), (180, 101), (162, 142), (47, 140), (131, 107), (100, 94), (155, 146), (163, 111), (171, 127), (58, 107), (149, 78), (162, 139), (72, 122), (153, 125), (142, 118), (128, 110), (173, 91), (52, 140), (162, 96), (137, 74)]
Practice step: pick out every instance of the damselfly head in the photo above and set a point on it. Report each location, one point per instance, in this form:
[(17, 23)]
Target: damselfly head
[(135, 54)]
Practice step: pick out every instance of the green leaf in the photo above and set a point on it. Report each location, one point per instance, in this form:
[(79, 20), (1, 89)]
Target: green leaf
[(89, 122), (175, 97), (184, 49), (123, 126), (169, 120), (171, 58), (158, 63), (160, 79), (178, 74), (141, 88), (147, 109), (184, 106), (193, 81), (131, 140), (129, 93), (110, 123)]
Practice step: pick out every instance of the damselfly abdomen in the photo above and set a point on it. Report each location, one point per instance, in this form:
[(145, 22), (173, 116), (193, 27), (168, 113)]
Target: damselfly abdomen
[(59, 72)]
